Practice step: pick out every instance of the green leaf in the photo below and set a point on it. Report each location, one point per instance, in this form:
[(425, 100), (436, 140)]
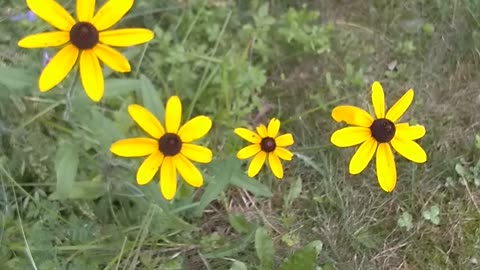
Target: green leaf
[(294, 192), (304, 259), (87, 190), (252, 185), (225, 172), (405, 221), (264, 248), (151, 97), (66, 165), (17, 78), (240, 223), (238, 265), (120, 87), (432, 215), (232, 249)]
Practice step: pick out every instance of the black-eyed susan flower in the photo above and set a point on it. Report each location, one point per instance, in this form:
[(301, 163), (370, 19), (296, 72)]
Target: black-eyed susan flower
[(86, 40), (170, 149), (265, 144), (376, 135)]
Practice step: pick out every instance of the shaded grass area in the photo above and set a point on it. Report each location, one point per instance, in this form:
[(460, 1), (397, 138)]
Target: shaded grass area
[(430, 46)]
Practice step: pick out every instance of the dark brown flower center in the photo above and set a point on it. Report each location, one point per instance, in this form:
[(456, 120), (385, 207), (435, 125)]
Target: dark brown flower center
[(170, 144), (84, 35), (268, 144), (383, 130)]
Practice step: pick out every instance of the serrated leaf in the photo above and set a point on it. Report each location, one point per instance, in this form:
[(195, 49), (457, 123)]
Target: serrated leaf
[(240, 223), (238, 265), (151, 97), (304, 259), (66, 165), (264, 248)]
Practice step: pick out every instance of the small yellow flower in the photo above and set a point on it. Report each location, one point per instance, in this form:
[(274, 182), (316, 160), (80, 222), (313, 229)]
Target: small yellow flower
[(170, 149), (86, 40), (376, 135), (265, 143)]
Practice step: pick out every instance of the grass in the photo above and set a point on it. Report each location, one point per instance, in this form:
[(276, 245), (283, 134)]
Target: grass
[(232, 61)]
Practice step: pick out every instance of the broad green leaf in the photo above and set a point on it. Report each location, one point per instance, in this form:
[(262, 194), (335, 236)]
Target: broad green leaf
[(264, 248), (294, 192), (304, 259), (17, 78), (87, 190), (66, 165), (223, 170), (238, 265), (120, 87), (103, 129), (151, 97), (317, 245), (232, 249), (113, 88), (252, 185), (240, 223)]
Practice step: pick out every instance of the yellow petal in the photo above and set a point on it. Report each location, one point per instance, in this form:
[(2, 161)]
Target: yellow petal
[(110, 13), (362, 157), (134, 147), (58, 68), (275, 165), (168, 178), (112, 58), (197, 153), (350, 136), (378, 100), (188, 171), (173, 114), (195, 129), (149, 168), (248, 135), (386, 170), (284, 140), (85, 10), (42, 40), (126, 37), (400, 107), (352, 115), (53, 13), (91, 75), (262, 131), (408, 132), (248, 151), (283, 153), (256, 164), (409, 149), (273, 128), (146, 120)]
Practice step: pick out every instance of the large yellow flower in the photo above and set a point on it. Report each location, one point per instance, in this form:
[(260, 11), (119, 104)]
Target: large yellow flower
[(265, 143), (376, 135), (86, 40), (170, 149)]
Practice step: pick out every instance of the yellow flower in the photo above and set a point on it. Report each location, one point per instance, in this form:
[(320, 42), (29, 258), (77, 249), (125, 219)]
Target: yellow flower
[(86, 40), (376, 135), (265, 143), (170, 149)]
